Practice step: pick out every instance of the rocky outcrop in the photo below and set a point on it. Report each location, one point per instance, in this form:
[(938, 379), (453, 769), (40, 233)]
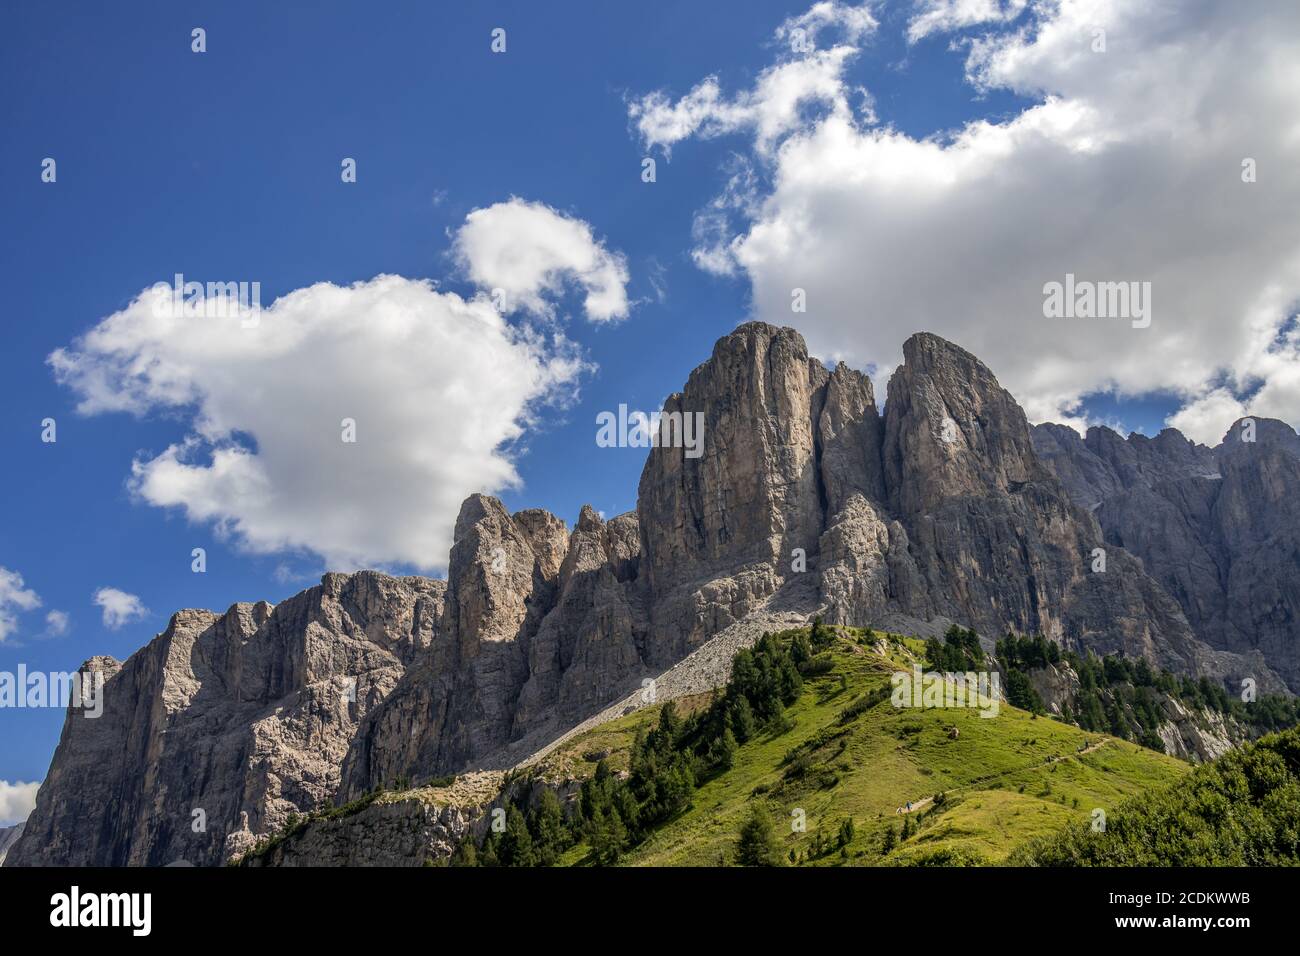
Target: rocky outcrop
[(225, 724), (526, 645), (1193, 734), (805, 500), (1219, 528), (8, 837), (973, 527), (592, 641), (1198, 735), (405, 832), (718, 531)]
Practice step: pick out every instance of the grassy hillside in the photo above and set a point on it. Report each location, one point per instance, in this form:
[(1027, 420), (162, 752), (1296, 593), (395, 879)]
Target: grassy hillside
[(1241, 810), (841, 751)]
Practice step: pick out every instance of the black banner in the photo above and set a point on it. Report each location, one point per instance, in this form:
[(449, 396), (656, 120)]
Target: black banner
[(340, 906)]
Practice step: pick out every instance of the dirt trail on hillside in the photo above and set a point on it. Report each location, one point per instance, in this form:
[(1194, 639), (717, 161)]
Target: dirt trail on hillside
[(926, 801)]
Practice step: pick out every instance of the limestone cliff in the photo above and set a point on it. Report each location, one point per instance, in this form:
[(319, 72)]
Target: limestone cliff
[(1218, 528)]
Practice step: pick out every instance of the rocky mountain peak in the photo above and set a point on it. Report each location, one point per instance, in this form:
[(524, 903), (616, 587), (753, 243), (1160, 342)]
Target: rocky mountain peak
[(752, 497), (547, 535), (1268, 432), (589, 519), (951, 429), (1217, 528)]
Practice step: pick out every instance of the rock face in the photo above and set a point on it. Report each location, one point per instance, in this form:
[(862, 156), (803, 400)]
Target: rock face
[(805, 500), (972, 526), (8, 837), (1218, 528), (225, 724), (524, 645), (1103, 464), (401, 833), (716, 530)]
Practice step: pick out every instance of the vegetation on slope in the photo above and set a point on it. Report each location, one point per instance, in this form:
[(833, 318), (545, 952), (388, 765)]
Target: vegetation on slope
[(665, 764), (803, 760), (1241, 810), (1122, 696)]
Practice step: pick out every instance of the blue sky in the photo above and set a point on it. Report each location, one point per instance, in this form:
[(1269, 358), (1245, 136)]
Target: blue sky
[(226, 164)]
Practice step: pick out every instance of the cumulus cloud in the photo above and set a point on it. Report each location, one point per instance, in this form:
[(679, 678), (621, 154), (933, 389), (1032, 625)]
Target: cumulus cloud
[(119, 607), (1126, 166), (16, 801), (854, 23), (783, 95), (529, 251), (941, 16), (437, 392), (773, 108), (15, 598)]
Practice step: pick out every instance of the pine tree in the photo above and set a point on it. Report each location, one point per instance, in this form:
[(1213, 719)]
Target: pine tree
[(800, 648), (724, 749), (846, 832), (757, 844), (670, 725), (608, 837), (821, 634), (935, 657), (741, 718), (517, 842), (466, 853), (488, 855), (550, 836), (890, 839)]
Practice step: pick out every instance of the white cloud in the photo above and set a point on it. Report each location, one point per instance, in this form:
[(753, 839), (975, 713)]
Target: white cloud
[(529, 251), (441, 389), (15, 598), (120, 608), (1127, 167), (783, 94), (774, 107), (1207, 418), (56, 623), (941, 16), (855, 23), (16, 801)]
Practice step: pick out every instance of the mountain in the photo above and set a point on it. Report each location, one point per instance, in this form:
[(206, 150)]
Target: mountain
[(806, 500), (224, 724), (1218, 528)]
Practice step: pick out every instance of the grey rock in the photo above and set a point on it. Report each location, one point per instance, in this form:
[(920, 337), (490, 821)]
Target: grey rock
[(401, 833), (1219, 529), (244, 716), (8, 837)]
